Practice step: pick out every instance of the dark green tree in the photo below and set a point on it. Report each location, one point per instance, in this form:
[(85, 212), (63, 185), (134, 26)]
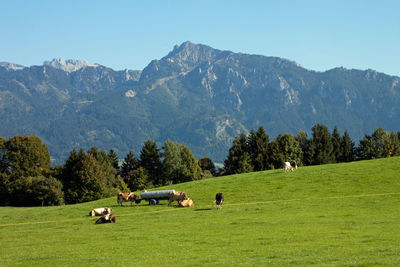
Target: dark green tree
[(380, 144), (3, 161), (238, 159), (306, 147), (258, 149), (179, 164), (139, 179), (290, 148), (206, 164), (394, 149), (366, 148), (191, 170), (24, 156), (347, 148), (89, 176), (322, 145), (89, 181), (112, 155), (129, 166), (36, 191), (150, 160), (276, 157), (336, 148)]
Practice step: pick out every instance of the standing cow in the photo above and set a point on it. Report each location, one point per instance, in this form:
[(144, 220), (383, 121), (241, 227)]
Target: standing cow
[(177, 196), (125, 197), (292, 165), (219, 198)]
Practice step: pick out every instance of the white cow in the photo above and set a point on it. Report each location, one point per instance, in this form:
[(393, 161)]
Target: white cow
[(100, 211)]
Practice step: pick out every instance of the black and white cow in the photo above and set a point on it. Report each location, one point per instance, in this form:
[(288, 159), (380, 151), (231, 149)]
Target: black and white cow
[(219, 198)]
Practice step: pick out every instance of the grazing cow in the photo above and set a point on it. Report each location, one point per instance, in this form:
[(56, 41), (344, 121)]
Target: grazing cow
[(292, 164), (219, 198), (108, 218), (100, 211), (177, 196), (186, 203), (287, 168), (125, 197)]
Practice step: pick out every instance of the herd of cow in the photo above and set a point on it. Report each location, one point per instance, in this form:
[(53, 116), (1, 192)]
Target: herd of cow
[(181, 197)]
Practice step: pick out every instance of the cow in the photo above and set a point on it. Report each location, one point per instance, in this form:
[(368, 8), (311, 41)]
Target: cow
[(219, 198), (177, 196), (292, 164), (107, 218), (125, 197), (186, 203), (100, 211), (287, 168)]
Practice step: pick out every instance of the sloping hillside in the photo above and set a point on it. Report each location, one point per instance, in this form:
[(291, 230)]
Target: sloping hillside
[(341, 214)]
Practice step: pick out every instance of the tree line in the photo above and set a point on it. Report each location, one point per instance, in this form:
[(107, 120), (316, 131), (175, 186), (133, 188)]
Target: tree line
[(28, 179), (255, 151)]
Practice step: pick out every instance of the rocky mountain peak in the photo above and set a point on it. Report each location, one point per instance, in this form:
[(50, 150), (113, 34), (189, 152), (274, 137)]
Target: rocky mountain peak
[(191, 55), (11, 66), (69, 65)]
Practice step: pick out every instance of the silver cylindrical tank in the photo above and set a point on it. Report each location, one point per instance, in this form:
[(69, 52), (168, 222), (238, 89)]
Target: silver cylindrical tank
[(156, 194)]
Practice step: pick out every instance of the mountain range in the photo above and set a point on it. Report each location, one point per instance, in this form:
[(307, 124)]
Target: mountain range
[(196, 95)]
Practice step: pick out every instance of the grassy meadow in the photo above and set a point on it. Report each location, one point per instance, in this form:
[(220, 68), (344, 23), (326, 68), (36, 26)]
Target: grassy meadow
[(329, 215)]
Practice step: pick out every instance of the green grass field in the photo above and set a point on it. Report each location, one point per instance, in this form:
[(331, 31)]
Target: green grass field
[(329, 215)]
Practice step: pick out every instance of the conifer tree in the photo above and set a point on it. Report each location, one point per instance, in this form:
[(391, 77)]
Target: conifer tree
[(238, 158), (151, 161), (258, 149), (347, 148), (306, 147), (206, 164), (290, 148), (114, 160), (276, 157), (322, 145), (130, 165), (336, 149)]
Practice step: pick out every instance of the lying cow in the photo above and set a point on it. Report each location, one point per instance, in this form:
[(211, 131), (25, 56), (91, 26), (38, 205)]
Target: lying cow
[(186, 203), (100, 211), (125, 197), (107, 218), (177, 196), (219, 198)]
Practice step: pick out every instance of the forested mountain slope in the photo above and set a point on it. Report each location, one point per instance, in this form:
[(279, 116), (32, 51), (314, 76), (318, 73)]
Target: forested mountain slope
[(196, 95)]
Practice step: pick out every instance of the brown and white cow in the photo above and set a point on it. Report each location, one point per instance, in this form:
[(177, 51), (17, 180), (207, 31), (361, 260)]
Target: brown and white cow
[(107, 218), (287, 168), (125, 197), (177, 196), (186, 203), (100, 211), (292, 164)]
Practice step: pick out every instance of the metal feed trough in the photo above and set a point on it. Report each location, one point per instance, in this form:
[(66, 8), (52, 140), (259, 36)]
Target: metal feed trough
[(153, 197)]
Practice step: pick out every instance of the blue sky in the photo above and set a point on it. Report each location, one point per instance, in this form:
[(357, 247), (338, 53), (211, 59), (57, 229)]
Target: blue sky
[(319, 35)]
